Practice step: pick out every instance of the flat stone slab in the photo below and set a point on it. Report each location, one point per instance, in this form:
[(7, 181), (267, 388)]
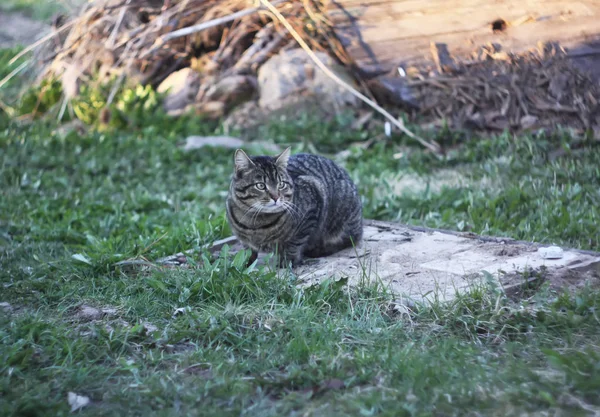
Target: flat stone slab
[(421, 263), (424, 264)]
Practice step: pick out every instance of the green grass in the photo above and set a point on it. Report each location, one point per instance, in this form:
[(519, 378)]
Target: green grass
[(248, 342)]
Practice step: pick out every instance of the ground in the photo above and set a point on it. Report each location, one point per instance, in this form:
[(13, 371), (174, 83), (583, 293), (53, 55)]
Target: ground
[(217, 338), (220, 339)]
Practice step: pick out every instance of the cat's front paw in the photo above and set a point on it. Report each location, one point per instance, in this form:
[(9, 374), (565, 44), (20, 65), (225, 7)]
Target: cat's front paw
[(289, 261)]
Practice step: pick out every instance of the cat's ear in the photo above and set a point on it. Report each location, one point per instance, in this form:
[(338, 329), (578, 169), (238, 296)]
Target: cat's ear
[(242, 161), (283, 157)]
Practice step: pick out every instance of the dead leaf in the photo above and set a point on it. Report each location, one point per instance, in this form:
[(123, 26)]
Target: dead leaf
[(81, 258), (180, 310), (77, 401)]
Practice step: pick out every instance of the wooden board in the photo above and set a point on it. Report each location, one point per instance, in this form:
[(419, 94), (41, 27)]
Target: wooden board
[(381, 35)]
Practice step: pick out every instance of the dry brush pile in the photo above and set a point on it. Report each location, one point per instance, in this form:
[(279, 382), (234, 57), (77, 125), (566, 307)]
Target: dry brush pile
[(223, 42), (498, 91)]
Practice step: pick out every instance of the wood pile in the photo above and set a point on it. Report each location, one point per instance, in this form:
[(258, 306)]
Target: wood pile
[(497, 91), (144, 41), (222, 44)]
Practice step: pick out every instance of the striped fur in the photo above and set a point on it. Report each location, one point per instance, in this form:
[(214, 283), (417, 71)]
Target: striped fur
[(298, 206)]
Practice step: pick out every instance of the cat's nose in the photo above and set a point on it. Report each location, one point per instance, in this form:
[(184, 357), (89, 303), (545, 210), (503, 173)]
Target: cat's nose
[(275, 197)]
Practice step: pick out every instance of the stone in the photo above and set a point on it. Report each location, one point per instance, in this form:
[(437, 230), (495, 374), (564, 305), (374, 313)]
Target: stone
[(394, 90), (292, 73), (231, 91), (6, 307), (551, 252), (420, 265), (181, 88), (77, 401), (196, 142)]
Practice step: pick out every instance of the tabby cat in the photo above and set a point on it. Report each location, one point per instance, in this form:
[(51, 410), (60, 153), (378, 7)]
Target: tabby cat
[(298, 206)]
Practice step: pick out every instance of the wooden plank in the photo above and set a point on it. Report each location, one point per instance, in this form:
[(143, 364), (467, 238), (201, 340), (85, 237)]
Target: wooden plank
[(382, 34)]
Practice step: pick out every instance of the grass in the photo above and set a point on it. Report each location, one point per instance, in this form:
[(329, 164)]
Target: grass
[(218, 339)]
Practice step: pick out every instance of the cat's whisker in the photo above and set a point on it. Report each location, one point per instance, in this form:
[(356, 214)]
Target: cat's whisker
[(256, 214), (292, 210), (250, 210)]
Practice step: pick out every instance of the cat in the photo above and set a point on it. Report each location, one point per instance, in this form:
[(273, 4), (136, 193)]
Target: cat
[(299, 205)]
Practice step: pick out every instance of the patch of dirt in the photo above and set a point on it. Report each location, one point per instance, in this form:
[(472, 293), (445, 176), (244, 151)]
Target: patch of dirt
[(576, 277), (89, 313), (18, 29), (508, 250)]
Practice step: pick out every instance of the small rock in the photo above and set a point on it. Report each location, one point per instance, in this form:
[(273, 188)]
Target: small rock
[(528, 122), (109, 311), (6, 307), (210, 109), (77, 401), (150, 328), (551, 252), (181, 87), (89, 313), (197, 142), (558, 85), (18, 29), (230, 91), (244, 117), (175, 81)]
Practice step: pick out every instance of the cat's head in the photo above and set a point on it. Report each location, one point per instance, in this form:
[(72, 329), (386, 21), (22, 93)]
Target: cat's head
[(262, 182)]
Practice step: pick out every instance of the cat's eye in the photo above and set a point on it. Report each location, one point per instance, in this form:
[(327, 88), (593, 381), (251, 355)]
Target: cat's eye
[(282, 185), (260, 186)]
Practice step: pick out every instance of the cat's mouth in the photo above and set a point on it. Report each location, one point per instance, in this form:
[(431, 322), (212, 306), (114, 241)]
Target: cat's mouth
[(273, 207)]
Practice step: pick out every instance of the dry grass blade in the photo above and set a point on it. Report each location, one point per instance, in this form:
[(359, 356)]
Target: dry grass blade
[(206, 25), (41, 41), (13, 73)]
